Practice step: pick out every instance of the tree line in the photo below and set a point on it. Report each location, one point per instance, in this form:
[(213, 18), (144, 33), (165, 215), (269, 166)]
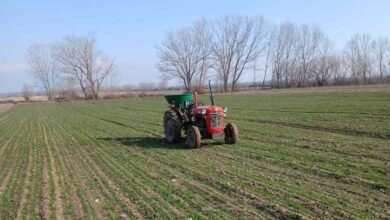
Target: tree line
[(75, 62), (278, 55), (293, 55)]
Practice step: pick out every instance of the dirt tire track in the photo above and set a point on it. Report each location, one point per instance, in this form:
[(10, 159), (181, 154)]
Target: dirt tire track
[(110, 160), (65, 166), (4, 180), (58, 201), (113, 185), (14, 176), (2, 149), (82, 182), (116, 165), (205, 189), (27, 182), (338, 131), (44, 210), (123, 169)]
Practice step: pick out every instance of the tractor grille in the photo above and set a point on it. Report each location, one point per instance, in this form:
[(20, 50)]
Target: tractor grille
[(216, 120)]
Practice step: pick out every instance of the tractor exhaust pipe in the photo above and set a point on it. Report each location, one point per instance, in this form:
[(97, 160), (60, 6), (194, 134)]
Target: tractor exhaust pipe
[(195, 99), (211, 94)]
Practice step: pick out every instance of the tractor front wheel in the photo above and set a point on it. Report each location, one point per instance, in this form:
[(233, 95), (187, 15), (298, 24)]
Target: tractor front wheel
[(193, 137), (172, 127), (231, 133)]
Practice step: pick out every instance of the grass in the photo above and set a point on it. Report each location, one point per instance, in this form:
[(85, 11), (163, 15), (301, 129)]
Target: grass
[(300, 155)]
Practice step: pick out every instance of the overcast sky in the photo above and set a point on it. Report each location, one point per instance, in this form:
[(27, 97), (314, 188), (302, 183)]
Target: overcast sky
[(131, 30)]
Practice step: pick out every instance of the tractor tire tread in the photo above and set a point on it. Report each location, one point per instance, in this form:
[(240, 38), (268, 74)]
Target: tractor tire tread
[(170, 114)]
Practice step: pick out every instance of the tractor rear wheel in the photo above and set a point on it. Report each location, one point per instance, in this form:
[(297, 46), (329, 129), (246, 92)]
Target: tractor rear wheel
[(231, 133), (172, 127), (193, 137)]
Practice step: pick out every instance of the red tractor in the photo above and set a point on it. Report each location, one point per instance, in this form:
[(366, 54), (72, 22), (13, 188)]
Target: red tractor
[(197, 120)]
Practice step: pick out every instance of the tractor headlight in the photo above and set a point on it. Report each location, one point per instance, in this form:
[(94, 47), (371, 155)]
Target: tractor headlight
[(204, 111), (224, 109)]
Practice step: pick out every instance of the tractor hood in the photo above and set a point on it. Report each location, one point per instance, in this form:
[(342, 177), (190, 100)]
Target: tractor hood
[(206, 109)]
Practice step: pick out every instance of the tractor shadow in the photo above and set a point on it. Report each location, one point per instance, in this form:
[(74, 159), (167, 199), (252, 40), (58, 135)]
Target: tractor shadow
[(154, 142)]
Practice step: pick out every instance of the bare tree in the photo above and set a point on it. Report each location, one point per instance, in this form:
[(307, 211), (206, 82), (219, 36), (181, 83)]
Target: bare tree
[(27, 92), (238, 42), (203, 37), (44, 67), (359, 55), (340, 75), (184, 54), (270, 41), (381, 48), (301, 54), (81, 59), (308, 42), (283, 54), (295, 55), (326, 63)]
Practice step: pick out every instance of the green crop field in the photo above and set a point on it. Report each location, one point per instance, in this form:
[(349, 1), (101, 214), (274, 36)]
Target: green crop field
[(300, 155)]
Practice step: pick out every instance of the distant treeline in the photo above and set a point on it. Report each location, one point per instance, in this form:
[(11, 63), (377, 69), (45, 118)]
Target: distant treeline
[(275, 55), (285, 55)]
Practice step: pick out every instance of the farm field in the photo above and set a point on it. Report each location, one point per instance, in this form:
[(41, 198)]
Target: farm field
[(300, 155)]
